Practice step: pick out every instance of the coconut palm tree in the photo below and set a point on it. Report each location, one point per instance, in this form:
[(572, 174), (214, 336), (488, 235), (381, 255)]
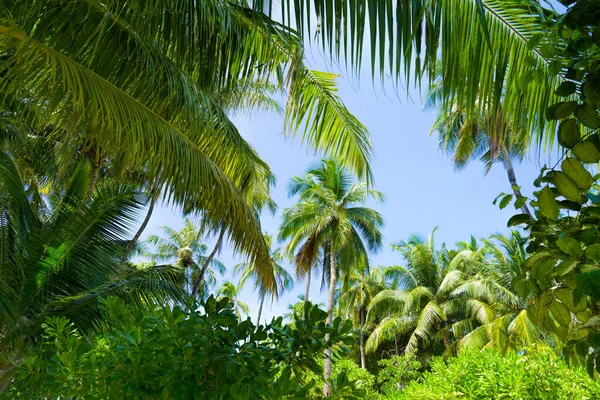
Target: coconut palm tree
[(435, 303), (248, 270), (513, 327), (479, 136), (490, 51), (360, 285), (143, 83), (185, 249), (230, 291), (330, 221), (60, 262)]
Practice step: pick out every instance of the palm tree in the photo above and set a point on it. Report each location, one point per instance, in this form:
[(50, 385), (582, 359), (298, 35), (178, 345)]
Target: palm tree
[(480, 136), (359, 287), (490, 51), (285, 282), (513, 327), (60, 263), (330, 221), (187, 251), (436, 301), (144, 83), (230, 291)]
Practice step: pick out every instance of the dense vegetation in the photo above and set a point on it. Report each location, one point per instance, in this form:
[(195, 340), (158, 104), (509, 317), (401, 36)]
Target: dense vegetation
[(110, 108)]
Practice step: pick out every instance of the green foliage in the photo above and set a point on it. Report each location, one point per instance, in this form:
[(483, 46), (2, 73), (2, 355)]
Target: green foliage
[(396, 372), (561, 277), (363, 382), (170, 354), (59, 263), (538, 375)]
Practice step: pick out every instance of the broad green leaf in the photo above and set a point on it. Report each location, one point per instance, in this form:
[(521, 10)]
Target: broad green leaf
[(560, 313), (566, 89), (569, 205), (534, 262), (592, 252), (577, 172), (589, 283), (518, 220), (547, 203), (566, 298), (568, 133), (505, 200), (586, 152), (565, 267), (566, 186), (564, 109), (569, 246), (520, 202), (588, 116)]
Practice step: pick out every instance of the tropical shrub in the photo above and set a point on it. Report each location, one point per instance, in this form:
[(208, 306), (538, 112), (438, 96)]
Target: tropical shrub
[(396, 372), (561, 277), (363, 382), (488, 374), (170, 354)]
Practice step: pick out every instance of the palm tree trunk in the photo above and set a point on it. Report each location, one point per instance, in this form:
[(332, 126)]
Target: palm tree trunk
[(363, 362), (200, 278), (138, 234), (306, 293), (94, 173), (330, 305), (512, 178), (260, 307)]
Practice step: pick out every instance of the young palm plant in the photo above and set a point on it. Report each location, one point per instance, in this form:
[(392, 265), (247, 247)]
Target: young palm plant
[(248, 270), (60, 263), (331, 221)]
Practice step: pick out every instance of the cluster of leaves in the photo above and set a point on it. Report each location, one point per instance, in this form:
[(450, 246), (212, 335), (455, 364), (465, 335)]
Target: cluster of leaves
[(363, 382), (170, 354), (396, 372), (491, 375), (561, 278)]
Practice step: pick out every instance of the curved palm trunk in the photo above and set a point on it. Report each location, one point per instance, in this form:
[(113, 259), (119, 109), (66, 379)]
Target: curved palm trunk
[(200, 278), (363, 362), (306, 293), (512, 178), (260, 308), (330, 305), (139, 232)]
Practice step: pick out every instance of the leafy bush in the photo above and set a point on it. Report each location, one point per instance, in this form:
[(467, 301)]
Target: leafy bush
[(362, 382), (396, 372), (167, 353), (539, 375)]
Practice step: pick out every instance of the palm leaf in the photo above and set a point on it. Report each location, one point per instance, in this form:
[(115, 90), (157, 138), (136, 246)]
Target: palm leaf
[(488, 64)]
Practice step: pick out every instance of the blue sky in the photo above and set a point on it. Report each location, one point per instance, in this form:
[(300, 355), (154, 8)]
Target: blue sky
[(422, 188)]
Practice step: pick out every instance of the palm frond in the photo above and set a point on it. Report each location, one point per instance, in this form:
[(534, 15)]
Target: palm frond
[(481, 64)]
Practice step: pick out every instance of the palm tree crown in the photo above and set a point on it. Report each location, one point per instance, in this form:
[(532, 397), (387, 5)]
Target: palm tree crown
[(186, 249)]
